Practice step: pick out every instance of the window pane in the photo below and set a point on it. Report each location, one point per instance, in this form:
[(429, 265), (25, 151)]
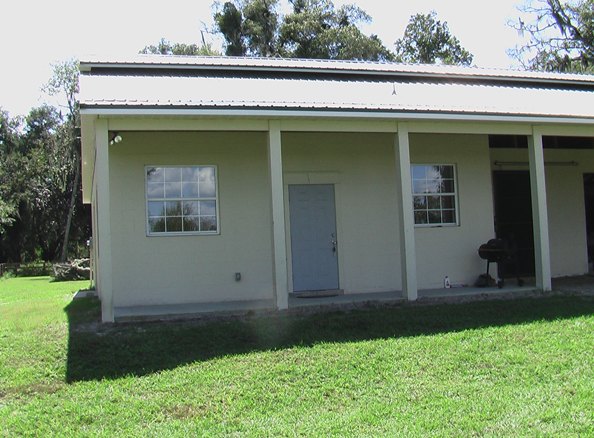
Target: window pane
[(447, 171), (419, 172), (432, 186), (207, 182), (154, 174), (174, 224), (155, 191), (190, 174), (208, 223), (191, 223), (448, 216), (190, 190), (447, 186), (420, 202), (173, 190), (421, 217), (191, 208), (174, 208), (156, 209), (448, 202), (172, 174), (208, 208), (419, 186), (433, 173), (157, 225), (433, 202), (434, 217)]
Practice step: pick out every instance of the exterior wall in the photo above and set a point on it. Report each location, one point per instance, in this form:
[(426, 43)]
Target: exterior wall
[(452, 250), (361, 166), (192, 269), (565, 203)]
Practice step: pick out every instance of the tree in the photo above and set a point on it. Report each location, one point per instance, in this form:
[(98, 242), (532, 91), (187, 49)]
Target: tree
[(249, 27), (561, 37), (9, 140), (24, 190), (65, 80), (314, 29), (165, 47), (427, 40), (41, 211)]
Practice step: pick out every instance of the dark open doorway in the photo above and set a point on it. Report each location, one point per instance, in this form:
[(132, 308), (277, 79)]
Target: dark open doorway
[(589, 205), (513, 219)]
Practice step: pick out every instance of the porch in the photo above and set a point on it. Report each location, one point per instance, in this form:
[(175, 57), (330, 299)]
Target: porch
[(231, 309)]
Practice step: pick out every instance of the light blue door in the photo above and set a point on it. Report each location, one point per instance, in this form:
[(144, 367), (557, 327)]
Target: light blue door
[(313, 237)]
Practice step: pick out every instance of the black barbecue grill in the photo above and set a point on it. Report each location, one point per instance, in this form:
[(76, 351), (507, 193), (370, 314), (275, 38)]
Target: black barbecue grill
[(500, 252)]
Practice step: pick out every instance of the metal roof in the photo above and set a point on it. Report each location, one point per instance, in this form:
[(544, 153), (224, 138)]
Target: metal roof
[(319, 86), (322, 65)]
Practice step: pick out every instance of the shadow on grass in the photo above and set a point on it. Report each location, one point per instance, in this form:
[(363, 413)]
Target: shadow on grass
[(144, 348)]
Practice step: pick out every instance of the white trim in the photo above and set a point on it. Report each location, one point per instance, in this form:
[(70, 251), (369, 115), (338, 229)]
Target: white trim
[(182, 233), (346, 114)]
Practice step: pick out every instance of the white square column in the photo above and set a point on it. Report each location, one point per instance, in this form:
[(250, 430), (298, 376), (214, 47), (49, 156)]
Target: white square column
[(542, 257), (102, 204), (408, 257), (279, 246)]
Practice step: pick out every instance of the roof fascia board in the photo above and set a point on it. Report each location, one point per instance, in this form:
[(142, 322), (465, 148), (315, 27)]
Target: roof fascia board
[(336, 115)]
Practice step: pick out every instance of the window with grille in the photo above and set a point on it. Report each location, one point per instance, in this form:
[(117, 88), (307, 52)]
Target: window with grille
[(434, 194), (181, 200)]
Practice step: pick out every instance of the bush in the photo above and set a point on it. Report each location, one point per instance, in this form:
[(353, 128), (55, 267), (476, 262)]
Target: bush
[(35, 269)]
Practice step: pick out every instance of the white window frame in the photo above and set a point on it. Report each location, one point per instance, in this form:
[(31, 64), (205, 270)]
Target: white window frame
[(150, 233), (454, 194)]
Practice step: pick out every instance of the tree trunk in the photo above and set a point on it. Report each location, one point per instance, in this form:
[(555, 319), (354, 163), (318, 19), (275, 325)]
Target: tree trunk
[(73, 196)]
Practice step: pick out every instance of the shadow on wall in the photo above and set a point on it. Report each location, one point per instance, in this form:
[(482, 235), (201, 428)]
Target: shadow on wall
[(97, 351)]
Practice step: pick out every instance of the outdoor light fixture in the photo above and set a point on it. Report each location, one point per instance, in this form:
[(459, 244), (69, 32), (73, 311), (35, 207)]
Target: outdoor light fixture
[(115, 138)]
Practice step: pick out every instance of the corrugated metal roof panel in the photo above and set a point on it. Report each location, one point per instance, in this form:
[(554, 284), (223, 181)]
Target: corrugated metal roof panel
[(319, 65), (231, 92)]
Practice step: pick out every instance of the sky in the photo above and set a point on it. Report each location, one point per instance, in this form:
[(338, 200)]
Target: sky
[(38, 33)]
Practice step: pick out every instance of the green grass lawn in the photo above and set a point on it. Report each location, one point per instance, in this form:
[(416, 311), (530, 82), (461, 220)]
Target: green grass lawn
[(521, 367)]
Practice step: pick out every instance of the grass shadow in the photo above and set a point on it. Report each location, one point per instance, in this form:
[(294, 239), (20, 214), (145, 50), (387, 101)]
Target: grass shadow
[(113, 351)]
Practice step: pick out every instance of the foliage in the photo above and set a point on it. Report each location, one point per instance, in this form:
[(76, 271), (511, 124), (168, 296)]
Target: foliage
[(65, 80), (313, 29), (40, 197), (502, 368), (427, 40), (165, 47), (561, 37)]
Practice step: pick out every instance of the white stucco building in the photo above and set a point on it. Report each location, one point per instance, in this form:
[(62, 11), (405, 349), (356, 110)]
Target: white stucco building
[(222, 183)]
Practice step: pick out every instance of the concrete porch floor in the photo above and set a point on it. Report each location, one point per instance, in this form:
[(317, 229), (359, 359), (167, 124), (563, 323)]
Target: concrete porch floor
[(239, 308), (397, 296), (583, 284)]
